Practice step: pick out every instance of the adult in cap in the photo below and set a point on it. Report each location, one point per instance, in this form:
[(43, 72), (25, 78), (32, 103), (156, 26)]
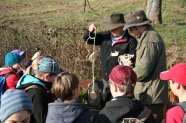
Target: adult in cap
[(38, 85), (113, 43), (150, 61), (177, 81), (122, 80)]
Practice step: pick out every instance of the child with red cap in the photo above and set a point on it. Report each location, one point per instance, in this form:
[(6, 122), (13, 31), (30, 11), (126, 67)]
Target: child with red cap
[(177, 81), (123, 107)]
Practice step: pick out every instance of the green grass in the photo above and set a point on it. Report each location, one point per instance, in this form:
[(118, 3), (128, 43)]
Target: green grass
[(70, 13)]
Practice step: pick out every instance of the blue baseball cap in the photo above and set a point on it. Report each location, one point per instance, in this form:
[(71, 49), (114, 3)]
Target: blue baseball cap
[(49, 65), (19, 52)]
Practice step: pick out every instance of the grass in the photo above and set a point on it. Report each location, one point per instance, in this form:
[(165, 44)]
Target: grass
[(28, 23)]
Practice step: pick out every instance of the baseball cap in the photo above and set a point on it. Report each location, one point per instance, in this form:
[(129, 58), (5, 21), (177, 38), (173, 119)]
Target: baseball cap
[(19, 52), (177, 73), (12, 58), (48, 65), (120, 73)]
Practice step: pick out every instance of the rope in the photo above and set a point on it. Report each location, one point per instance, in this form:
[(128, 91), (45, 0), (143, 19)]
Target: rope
[(91, 58)]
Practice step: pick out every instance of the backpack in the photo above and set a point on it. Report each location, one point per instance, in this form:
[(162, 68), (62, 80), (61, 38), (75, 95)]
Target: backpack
[(183, 106), (142, 117), (2, 83)]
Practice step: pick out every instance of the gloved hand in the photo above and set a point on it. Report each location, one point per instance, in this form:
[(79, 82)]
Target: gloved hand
[(36, 55)]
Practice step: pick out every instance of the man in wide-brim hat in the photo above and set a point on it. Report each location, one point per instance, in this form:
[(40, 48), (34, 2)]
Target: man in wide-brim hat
[(113, 43), (150, 61)]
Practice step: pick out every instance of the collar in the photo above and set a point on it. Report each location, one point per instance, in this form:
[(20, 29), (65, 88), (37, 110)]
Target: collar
[(120, 39)]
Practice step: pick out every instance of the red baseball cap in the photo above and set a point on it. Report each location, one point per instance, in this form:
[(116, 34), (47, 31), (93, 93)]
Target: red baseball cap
[(177, 73), (120, 73)]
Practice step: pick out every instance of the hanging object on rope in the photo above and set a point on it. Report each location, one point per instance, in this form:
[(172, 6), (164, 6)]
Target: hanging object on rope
[(125, 59), (92, 58)]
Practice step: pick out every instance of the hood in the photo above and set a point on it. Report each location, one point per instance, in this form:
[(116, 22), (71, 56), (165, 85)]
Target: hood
[(65, 113), (27, 79), (5, 71), (116, 109)]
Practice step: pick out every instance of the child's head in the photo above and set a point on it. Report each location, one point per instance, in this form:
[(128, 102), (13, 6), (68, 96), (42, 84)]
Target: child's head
[(65, 86), (47, 69), (122, 80), (177, 77), (16, 106), (13, 61), (34, 66)]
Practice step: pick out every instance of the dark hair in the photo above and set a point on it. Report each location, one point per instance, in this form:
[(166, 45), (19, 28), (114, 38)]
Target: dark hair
[(184, 87), (64, 85)]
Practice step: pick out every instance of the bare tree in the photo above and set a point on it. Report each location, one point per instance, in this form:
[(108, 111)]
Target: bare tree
[(154, 11)]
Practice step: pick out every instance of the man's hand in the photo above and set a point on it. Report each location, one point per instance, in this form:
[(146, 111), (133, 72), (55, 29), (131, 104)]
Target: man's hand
[(92, 28)]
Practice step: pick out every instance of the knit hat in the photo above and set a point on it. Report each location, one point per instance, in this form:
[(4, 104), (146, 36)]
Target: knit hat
[(48, 65), (18, 52), (13, 101), (120, 74), (177, 73), (12, 58)]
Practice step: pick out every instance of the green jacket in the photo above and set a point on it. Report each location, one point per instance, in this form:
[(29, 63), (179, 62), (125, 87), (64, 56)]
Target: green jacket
[(150, 61)]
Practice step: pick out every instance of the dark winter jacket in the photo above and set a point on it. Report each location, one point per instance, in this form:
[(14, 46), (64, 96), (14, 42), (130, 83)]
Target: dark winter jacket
[(11, 80), (37, 90), (121, 107), (109, 51), (73, 112)]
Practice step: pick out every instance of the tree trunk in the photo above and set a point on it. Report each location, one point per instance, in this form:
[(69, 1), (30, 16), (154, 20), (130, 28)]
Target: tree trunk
[(154, 11)]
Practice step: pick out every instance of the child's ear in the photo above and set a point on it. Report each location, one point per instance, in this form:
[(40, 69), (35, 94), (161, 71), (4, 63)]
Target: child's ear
[(46, 76), (115, 87), (74, 92), (177, 85)]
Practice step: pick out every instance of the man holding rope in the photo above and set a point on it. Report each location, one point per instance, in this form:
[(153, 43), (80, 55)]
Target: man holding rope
[(113, 43)]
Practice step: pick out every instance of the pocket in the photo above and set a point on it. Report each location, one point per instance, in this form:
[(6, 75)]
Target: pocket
[(140, 91), (140, 52)]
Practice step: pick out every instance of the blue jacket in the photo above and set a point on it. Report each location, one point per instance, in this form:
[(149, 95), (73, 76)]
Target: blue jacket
[(74, 112), (37, 91)]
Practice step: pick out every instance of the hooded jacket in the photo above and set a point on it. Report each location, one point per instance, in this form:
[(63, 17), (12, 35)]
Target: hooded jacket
[(11, 80), (119, 108), (73, 112), (37, 90)]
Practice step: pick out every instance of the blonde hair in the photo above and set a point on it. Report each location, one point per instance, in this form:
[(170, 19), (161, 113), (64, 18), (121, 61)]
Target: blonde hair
[(64, 85), (34, 66)]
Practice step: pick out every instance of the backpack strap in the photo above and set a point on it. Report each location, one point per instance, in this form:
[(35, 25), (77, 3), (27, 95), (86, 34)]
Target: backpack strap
[(6, 75), (31, 87), (183, 106)]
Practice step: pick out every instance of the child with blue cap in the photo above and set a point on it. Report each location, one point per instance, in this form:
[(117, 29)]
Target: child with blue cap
[(38, 85), (12, 65)]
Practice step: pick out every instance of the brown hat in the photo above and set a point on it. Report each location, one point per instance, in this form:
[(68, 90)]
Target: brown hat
[(116, 20), (136, 18)]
